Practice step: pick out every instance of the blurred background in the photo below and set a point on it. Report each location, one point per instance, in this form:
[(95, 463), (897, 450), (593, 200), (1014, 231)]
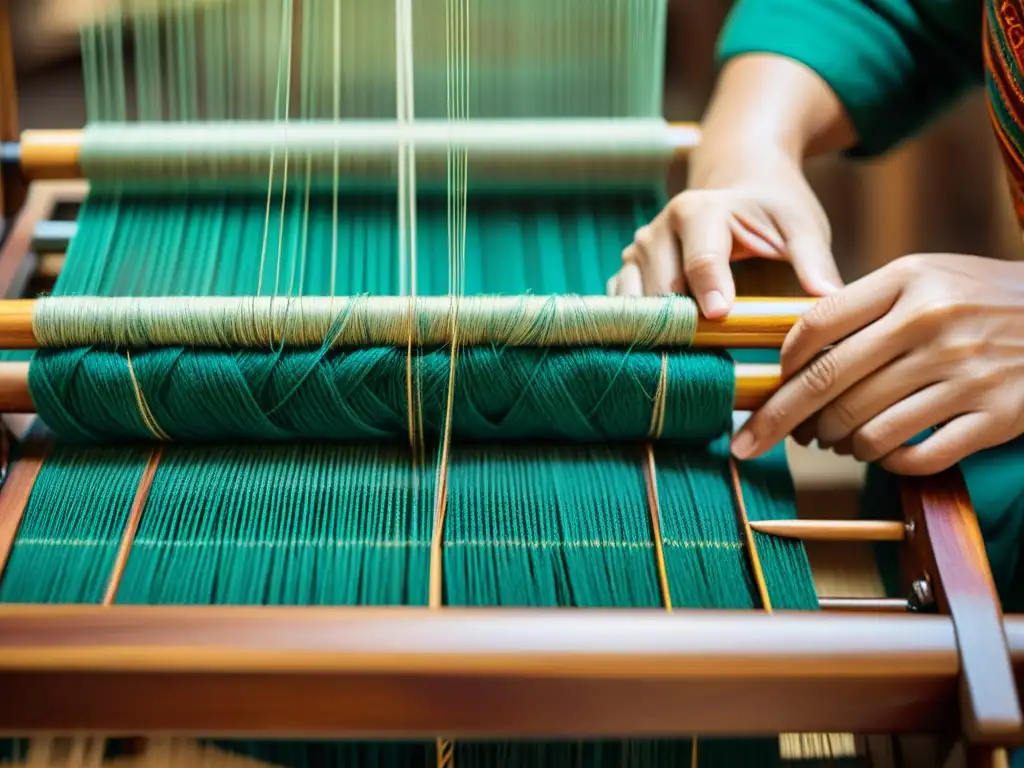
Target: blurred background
[(944, 191)]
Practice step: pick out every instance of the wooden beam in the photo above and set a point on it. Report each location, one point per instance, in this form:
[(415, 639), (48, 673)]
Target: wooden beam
[(413, 672)]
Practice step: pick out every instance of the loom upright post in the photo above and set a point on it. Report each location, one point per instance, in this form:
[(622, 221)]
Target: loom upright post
[(12, 188)]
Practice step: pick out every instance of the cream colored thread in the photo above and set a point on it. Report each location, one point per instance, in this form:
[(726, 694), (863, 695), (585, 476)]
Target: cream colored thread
[(568, 320), (336, 148), (573, 153), (284, 50)]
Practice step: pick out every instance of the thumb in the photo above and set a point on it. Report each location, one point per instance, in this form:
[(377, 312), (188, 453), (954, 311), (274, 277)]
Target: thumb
[(813, 263)]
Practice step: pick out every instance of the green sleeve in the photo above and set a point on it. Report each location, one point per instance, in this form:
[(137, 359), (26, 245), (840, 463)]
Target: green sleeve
[(894, 64)]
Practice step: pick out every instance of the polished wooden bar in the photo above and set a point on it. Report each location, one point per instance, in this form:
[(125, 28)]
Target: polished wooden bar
[(864, 604), (755, 383), (753, 322), (833, 530), (413, 672), (946, 544), (54, 154), (50, 154)]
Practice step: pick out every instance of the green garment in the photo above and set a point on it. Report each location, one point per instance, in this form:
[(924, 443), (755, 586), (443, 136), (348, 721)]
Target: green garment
[(894, 64)]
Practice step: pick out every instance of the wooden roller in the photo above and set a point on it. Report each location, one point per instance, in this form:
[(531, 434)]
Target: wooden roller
[(54, 154), (755, 323), (754, 385)]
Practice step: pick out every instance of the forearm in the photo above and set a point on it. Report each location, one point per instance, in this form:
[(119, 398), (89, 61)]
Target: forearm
[(768, 103)]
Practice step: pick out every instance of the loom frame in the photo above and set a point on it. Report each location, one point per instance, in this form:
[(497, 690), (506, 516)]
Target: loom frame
[(916, 674), (403, 672)]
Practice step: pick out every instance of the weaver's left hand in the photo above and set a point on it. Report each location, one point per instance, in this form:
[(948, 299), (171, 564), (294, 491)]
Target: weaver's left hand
[(932, 340)]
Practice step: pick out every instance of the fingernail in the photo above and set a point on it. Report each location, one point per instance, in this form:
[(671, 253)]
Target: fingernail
[(829, 287), (743, 444), (714, 302)]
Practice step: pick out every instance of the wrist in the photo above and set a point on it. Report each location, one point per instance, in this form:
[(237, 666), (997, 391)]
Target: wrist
[(768, 106), (726, 160)]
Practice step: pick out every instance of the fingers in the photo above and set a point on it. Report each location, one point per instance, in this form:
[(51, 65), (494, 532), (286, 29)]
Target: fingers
[(805, 433), (872, 396), (813, 263), (655, 251), (707, 252), (815, 386), (627, 281), (753, 230), (837, 316), (895, 426), (952, 442)]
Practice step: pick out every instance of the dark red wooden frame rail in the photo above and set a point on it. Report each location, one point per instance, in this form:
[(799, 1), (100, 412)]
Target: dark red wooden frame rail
[(411, 672), (945, 547)]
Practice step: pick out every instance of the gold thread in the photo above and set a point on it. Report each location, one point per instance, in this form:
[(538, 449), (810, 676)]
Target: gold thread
[(655, 510), (755, 558), (408, 380), (147, 415), (654, 506), (660, 403), (445, 753), (283, 48)]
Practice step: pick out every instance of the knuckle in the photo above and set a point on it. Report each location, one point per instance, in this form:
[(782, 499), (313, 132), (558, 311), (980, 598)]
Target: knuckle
[(869, 443), (820, 374), (700, 264), (982, 379), (839, 418), (962, 350), (768, 421), (910, 266), (644, 236), (820, 316), (684, 205), (936, 313)]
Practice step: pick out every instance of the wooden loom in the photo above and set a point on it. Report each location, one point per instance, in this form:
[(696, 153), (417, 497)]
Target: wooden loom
[(945, 660)]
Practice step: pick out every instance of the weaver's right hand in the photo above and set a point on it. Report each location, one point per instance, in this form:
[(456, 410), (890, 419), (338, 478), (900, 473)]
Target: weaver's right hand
[(746, 204)]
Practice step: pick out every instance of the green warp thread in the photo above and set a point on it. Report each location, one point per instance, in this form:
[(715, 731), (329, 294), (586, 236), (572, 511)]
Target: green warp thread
[(89, 395), (330, 524)]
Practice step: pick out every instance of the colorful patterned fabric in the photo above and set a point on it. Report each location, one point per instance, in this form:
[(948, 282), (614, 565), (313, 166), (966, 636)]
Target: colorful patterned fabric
[(1003, 45)]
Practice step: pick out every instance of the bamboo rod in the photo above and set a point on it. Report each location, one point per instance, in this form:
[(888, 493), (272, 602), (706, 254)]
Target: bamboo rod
[(833, 530), (755, 383), (55, 154), (754, 322), (864, 604)]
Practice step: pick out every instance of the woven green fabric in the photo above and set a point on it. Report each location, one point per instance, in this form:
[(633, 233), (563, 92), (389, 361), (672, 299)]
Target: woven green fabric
[(220, 527)]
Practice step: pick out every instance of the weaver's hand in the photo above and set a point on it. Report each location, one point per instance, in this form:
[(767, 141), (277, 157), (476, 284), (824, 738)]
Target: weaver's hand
[(931, 340), (757, 205)]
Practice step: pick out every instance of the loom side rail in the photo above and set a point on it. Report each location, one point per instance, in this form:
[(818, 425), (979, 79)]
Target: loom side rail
[(405, 672)]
